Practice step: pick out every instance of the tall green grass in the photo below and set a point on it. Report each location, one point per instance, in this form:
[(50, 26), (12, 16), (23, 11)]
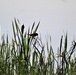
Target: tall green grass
[(26, 54)]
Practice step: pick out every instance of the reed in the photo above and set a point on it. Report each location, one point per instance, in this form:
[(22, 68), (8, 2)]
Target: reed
[(26, 54)]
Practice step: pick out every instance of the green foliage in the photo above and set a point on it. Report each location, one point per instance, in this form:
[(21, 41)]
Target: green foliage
[(26, 55)]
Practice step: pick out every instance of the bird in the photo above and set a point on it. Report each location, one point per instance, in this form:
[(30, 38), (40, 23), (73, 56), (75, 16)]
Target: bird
[(34, 34), (22, 28)]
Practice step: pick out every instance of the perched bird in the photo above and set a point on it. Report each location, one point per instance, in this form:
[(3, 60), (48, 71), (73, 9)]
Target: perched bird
[(34, 34), (22, 28)]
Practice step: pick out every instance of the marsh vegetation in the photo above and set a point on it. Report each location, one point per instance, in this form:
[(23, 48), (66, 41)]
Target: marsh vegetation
[(26, 54)]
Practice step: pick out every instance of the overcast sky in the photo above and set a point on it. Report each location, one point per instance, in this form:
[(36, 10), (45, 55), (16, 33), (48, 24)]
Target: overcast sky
[(56, 17)]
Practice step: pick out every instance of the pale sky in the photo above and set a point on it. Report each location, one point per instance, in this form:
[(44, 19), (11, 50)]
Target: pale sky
[(56, 17)]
